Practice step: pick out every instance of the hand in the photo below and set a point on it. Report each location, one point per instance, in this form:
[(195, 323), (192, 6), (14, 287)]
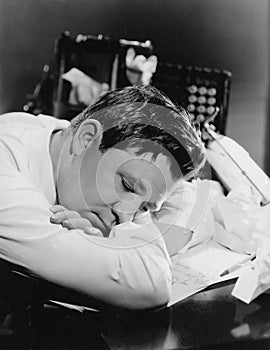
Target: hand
[(72, 220)]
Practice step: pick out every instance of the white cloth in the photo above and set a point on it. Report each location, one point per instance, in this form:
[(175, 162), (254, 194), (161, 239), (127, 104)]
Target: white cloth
[(84, 89), (131, 268)]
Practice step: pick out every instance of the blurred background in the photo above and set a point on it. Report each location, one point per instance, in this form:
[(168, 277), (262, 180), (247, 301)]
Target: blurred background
[(224, 34)]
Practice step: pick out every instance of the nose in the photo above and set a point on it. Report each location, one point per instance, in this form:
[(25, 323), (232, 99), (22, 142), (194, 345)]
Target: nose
[(126, 209)]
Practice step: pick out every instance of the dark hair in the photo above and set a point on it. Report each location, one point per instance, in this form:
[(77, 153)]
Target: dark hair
[(144, 118)]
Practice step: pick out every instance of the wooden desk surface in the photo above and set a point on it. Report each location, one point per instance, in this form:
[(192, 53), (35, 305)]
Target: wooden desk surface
[(211, 319)]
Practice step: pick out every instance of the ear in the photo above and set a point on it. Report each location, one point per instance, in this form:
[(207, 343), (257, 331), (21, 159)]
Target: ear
[(88, 133)]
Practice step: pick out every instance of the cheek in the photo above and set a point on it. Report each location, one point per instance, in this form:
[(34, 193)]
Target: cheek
[(69, 196), (106, 189), (66, 191), (97, 189), (88, 187)]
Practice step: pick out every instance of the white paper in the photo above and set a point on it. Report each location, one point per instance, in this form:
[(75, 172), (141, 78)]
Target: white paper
[(255, 278), (73, 306), (201, 267)]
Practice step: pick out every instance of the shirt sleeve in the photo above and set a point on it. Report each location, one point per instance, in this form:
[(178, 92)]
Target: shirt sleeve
[(131, 268), (189, 207)]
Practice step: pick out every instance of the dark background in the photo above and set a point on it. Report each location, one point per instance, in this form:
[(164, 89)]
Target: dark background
[(231, 34)]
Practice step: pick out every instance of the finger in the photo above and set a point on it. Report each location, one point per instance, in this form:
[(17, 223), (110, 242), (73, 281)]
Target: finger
[(90, 230), (57, 208), (76, 223), (61, 216)]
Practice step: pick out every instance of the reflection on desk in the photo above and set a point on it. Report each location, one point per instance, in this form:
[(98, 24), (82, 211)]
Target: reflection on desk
[(211, 319)]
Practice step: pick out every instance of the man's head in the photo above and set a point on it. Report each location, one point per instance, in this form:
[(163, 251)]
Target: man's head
[(124, 153)]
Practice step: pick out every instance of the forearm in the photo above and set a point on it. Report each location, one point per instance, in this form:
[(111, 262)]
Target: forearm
[(130, 273), (188, 208), (175, 237)]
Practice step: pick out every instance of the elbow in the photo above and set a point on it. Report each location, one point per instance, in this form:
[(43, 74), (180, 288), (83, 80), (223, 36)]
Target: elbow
[(156, 292), (158, 296)]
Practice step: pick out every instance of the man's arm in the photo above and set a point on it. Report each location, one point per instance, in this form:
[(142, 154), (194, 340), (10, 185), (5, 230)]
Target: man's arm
[(187, 209), (129, 269)]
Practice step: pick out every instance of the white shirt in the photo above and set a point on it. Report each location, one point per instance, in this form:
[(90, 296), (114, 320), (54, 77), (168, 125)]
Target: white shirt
[(131, 268)]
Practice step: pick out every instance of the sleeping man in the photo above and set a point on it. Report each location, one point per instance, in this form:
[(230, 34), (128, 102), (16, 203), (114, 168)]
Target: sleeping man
[(113, 168)]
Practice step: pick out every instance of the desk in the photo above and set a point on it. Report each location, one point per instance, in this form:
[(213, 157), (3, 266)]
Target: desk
[(211, 319)]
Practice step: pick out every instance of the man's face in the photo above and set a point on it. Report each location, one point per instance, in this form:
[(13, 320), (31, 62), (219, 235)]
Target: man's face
[(110, 188)]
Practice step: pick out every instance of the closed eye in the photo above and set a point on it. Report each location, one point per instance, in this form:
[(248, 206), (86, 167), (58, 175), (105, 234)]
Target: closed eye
[(127, 186)]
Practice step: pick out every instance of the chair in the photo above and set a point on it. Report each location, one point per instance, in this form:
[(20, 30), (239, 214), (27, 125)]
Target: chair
[(99, 57), (200, 90)]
